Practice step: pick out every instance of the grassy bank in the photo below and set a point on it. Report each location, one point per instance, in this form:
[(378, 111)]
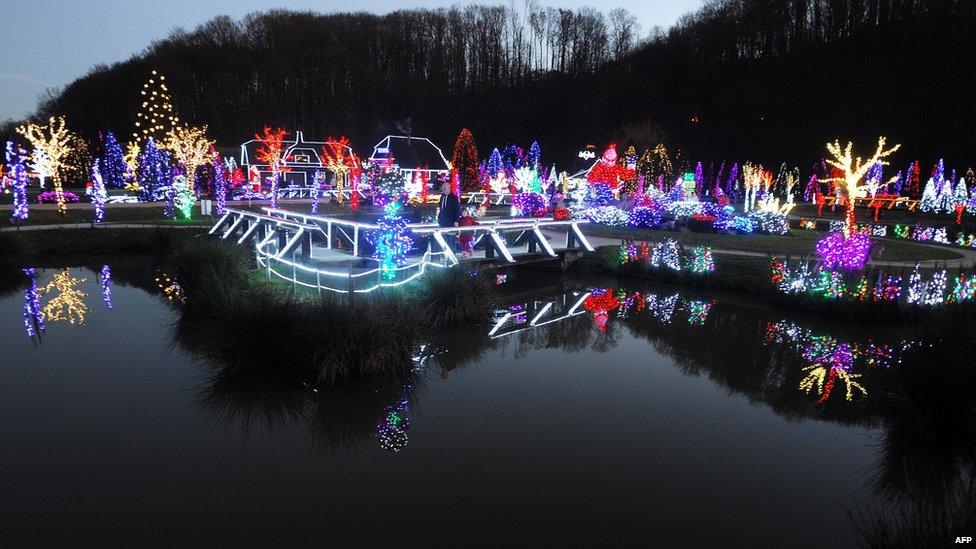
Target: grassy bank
[(797, 243), (245, 325)]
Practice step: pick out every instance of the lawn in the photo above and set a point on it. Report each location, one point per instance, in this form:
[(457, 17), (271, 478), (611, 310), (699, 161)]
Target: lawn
[(797, 243)]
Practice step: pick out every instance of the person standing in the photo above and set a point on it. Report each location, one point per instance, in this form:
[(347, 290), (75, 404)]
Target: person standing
[(449, 208)]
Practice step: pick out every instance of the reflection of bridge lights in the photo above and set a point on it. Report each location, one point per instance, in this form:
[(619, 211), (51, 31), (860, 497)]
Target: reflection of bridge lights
[(69, 304)]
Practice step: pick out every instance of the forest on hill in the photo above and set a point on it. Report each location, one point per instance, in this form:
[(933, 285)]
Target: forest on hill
[(762, 80)]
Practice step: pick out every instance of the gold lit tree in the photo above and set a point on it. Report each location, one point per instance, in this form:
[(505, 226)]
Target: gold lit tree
[(52, 145), (821, 380), (69, 303), (754, 178), (156, 115), (337, 161), (854, 169), (190, 147)]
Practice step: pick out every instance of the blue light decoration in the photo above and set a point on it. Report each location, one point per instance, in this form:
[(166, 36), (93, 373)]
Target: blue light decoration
[(644, 217), (105, 277), (220, 181), (112, 164), (33, 314), (16, 161), (98, 193), (533, 156), (600, 195), (154, 172), (392, 244)]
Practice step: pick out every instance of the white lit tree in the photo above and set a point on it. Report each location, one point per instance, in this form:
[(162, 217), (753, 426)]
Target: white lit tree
[(51, 149)]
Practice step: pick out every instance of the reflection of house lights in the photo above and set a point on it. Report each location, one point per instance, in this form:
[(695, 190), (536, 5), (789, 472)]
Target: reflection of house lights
[(69, 304)]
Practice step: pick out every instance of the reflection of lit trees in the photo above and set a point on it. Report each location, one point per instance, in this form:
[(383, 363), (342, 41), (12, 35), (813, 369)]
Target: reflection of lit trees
[(69, 303), (823, 380), (33, 315), (171, 288)]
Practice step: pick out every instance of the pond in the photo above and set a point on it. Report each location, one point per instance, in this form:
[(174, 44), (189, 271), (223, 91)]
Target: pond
[(582, 414)]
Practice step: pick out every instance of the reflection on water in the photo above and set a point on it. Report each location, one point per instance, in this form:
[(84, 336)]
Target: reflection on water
[(64, 301), (33, 314), (919, 460), (105, 276)]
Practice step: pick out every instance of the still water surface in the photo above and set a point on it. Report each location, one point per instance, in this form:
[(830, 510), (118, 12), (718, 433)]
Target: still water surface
[(622, 417)]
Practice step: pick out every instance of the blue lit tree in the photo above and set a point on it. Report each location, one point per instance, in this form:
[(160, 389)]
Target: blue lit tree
[(112, 164), (17, 165), (154, 172), (535, 153), (495, 163)]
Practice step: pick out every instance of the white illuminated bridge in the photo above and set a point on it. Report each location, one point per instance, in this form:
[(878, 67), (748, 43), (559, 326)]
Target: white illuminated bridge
[(335, 254)]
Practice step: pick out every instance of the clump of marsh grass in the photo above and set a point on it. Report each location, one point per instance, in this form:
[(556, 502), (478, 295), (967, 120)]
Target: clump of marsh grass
[(454, 297), (248, 326)]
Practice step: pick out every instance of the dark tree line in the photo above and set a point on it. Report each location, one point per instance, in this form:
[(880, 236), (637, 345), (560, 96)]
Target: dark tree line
[(765, 80)]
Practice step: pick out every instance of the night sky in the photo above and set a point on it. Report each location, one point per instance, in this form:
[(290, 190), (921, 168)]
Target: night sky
[(51, 42)]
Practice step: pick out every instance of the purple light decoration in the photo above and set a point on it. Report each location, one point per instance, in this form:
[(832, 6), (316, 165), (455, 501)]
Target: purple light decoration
[(699, 180), (640, 184), (813, 186), (220, 182), (899, 183), (718, 179), (528, 203), (106, 280), (938, 175), (844, 253), (33, 316), (18, 173), (730, 185)]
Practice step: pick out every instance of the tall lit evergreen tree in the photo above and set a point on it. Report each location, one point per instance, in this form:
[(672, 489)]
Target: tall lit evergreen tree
[(465, 161), (112, 164), (154, 171)]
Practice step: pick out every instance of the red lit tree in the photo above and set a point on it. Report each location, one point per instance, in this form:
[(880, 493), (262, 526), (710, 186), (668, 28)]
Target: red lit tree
[(915, 181), (465, 161), (271, 152)]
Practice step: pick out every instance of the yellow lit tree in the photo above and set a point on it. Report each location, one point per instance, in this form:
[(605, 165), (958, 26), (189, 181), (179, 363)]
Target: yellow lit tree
[(69, 304), (854, 170), (190, 147), (156, 115), (52, 145)]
